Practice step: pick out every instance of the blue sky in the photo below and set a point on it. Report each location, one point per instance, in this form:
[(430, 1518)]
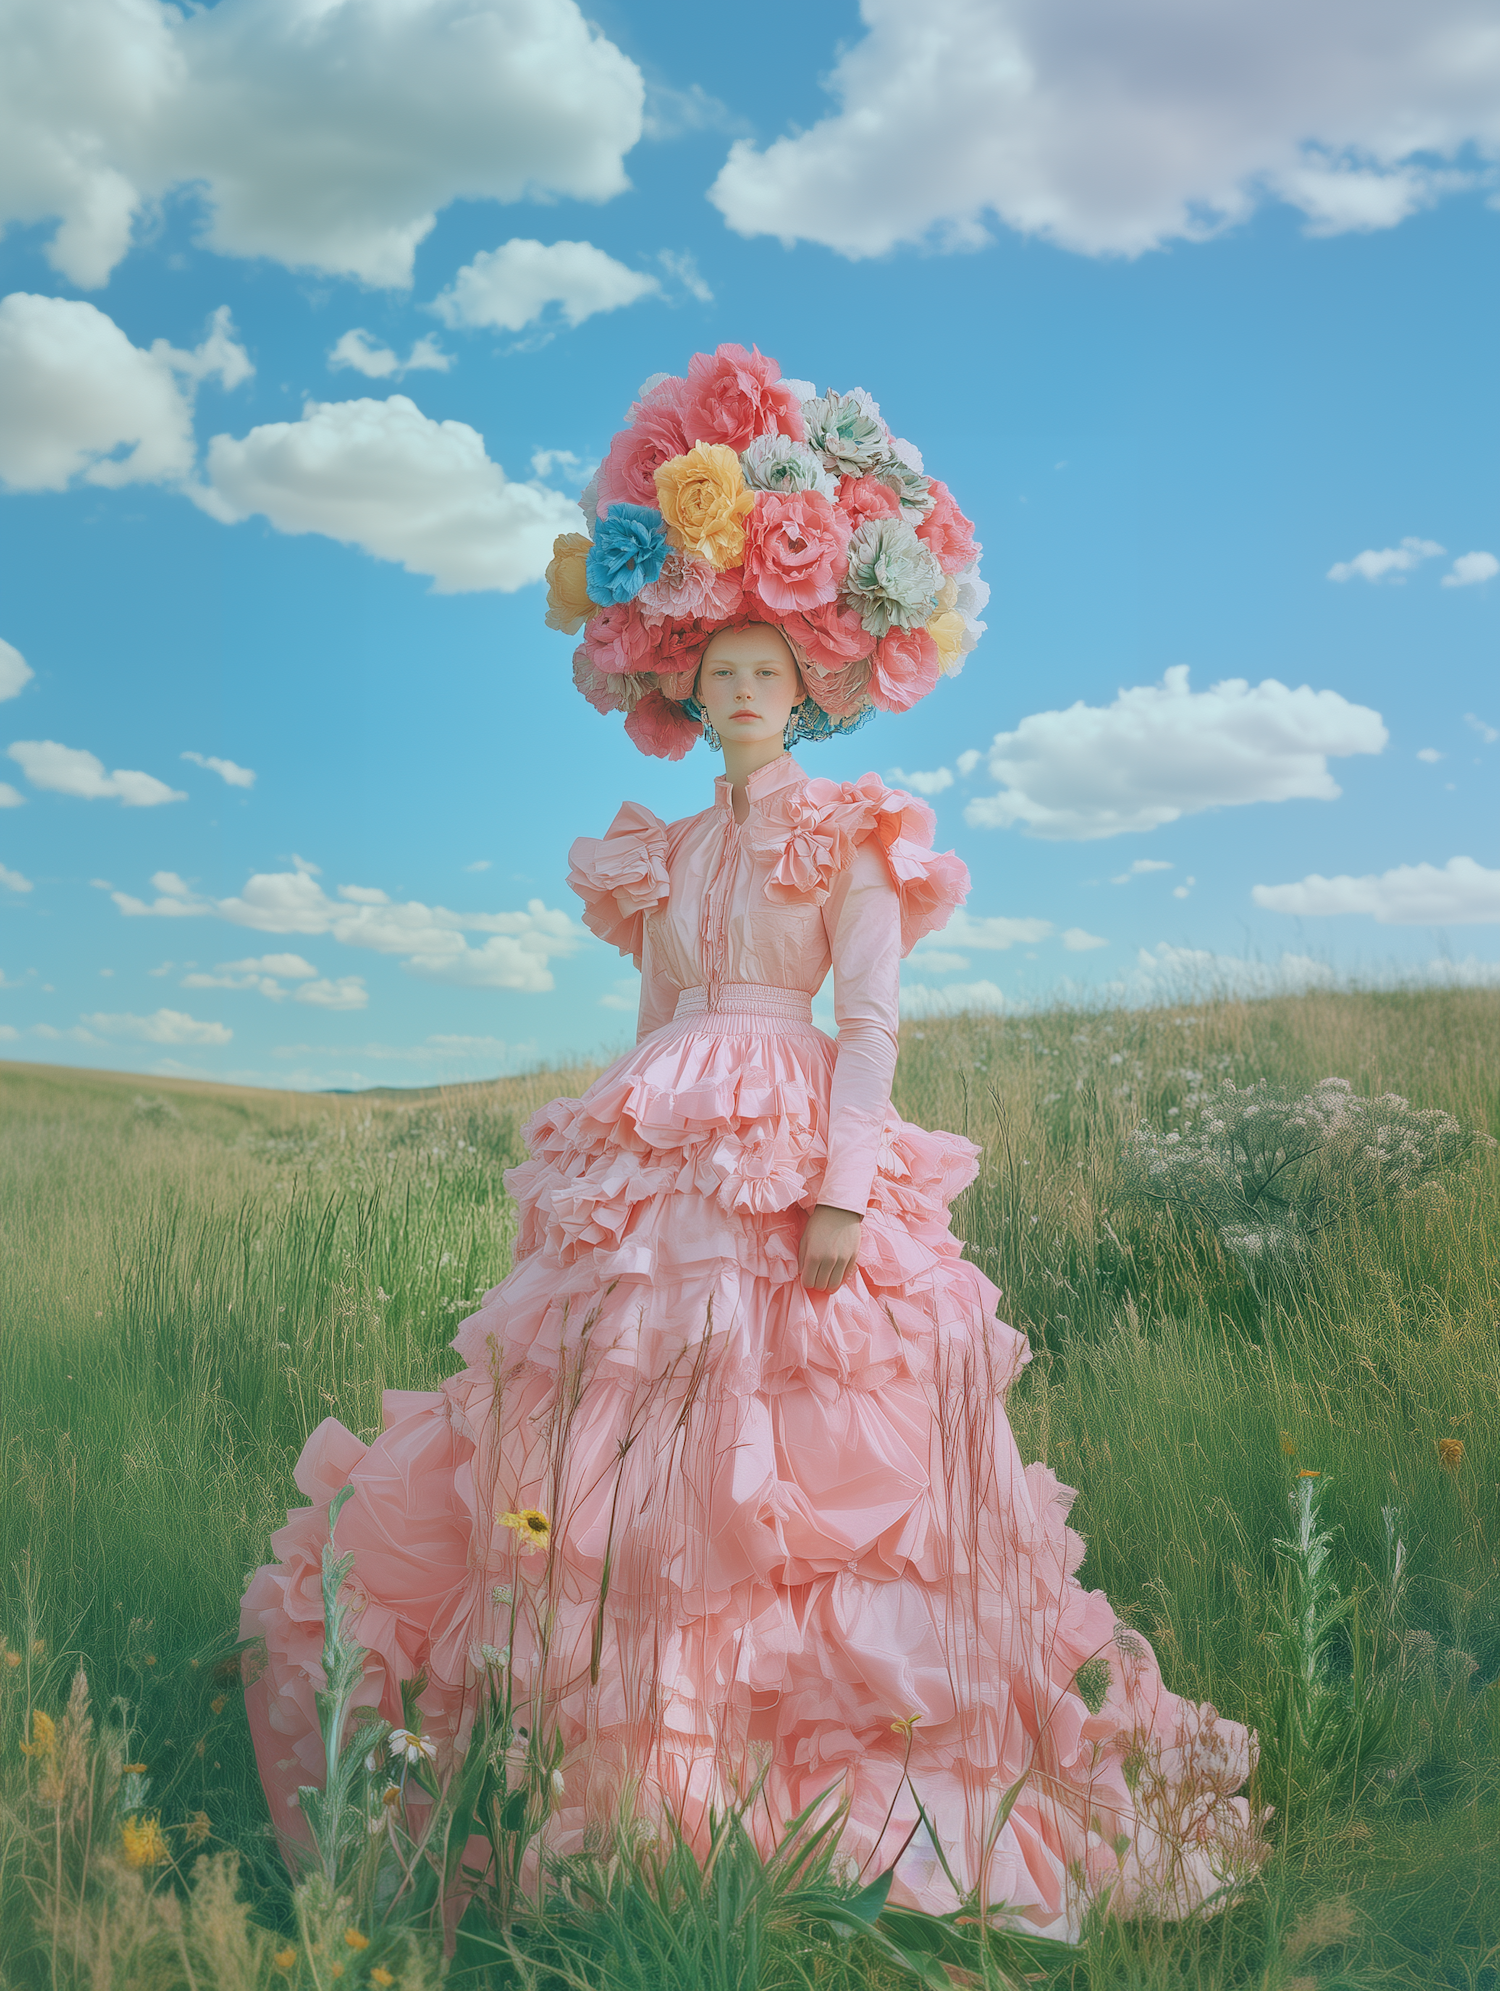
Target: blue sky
[(1197, 328)]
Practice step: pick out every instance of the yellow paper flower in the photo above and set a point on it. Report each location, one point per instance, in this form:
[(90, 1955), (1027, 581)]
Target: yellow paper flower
[(946, 627), (568, 604), (704, 501), (142, 1843), (530, 1527)]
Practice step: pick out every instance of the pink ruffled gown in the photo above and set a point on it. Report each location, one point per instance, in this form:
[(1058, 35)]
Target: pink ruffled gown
[(826, 1567)]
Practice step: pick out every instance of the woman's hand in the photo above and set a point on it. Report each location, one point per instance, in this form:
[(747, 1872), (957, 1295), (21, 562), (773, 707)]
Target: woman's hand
[(830, 1243)]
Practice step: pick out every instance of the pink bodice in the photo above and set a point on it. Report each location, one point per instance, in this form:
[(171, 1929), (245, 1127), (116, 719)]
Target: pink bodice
[(821, 875)]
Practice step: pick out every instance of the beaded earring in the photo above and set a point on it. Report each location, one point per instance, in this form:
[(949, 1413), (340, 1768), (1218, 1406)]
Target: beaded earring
[(793, 731), (711, 738)]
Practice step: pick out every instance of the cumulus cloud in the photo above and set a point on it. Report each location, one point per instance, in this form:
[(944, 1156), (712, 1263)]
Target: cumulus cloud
[(11, 798), (1114, 129), (163, 1026), (1390, 562), (1429, 754), (1488, 733), (381, 476), (265, 976), (1164, 751), (429, 940), (1077, 941), (323, 136), (78, 399), (15, 672), (14, 881), (75, 771), (1469, 569), (995, 934), (1140, 868), (1458, 893), (918, 1000), (376, 362), (511, 287), (227, 770), (932, 782)]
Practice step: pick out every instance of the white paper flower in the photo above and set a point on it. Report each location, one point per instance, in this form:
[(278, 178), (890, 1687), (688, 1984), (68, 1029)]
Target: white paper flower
[(849, 438), (893, 579), (776, 463), (973, 597)]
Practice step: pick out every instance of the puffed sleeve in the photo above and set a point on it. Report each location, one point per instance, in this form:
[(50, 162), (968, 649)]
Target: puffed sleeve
[(621, 877), (659, 992), (862, 918)]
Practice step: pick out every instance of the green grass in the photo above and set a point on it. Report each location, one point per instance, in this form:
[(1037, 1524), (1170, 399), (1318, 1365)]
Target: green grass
[(194, 1276)]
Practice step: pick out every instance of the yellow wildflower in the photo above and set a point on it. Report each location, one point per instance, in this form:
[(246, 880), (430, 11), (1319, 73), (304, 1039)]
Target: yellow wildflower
[(381, 1976), (1288, 1445), (43, 1734), (1450, 1453), (530, 1527), (285, 1959), (12, 1658), (355, 1940), (38, 1647), (134, 1769), (905, 1725), (216, 1705), (1309, 1472), (198, 1828), (142, 1843), (704, 502), (568, 603), (335, 1970)]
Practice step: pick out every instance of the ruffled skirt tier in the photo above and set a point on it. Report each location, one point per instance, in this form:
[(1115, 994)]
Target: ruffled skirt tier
[(793, 1549)]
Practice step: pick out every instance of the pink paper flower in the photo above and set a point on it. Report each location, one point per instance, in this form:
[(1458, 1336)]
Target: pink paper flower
[(829, 636), (734, 396), (675, 648), (866, 497), (688, 586), (949, 535), (618, 639), (903, 669), (840, 693), (796, 550), (661, 728), (653, 435), (600, 691)]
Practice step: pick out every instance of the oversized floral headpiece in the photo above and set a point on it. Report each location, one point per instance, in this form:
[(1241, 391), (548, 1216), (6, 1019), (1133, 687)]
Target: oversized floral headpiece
[(734, 497)]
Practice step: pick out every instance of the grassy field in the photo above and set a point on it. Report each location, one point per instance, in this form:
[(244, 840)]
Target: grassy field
[(195, 1275)]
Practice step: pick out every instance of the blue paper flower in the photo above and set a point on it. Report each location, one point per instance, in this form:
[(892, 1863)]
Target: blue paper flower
[(630, 544)]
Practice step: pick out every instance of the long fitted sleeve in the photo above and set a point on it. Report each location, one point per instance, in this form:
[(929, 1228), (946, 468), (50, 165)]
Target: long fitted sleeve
[(862, 917), (659, 992)]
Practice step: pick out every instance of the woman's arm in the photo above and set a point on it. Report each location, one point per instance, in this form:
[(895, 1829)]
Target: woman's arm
[(862, 918)]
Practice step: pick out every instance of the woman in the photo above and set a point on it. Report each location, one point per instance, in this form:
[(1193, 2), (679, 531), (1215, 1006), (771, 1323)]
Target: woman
[(726, 1483)]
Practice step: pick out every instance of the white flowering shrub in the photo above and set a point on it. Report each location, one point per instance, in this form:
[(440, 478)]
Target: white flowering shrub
[(1267, 1169)]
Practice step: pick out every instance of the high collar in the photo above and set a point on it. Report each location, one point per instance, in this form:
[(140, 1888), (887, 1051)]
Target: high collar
[(764, 782)]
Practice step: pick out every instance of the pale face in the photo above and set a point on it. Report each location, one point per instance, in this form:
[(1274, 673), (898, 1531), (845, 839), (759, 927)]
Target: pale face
[(748, 683)]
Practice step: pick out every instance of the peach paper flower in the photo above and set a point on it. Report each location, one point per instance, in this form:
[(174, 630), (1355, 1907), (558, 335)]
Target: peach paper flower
[(568, 603), (703, 499), (796, 550), (866, 497), (903, 669), (734, 396), (948, 534)]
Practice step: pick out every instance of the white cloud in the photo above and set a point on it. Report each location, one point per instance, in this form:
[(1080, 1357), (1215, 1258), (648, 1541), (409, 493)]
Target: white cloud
[(324, 136), (1165, 751), (510, 287), (1459, 893), (1140, 868), (992, 935), (931, 783), (75, 771), (624, 995), (1194, 974), (11, 798), (919, 1000), (75, 394), (1488, 733), (348, 992), (1077, 941), (163, 1026), (15, 672), (939, 961), (1397, 560), (380, 475), (357, 349), (290, 967), (1430, 755), (14, 881), (1115, 129), (430, 940), (679, 264), (1469, 569), (1184, 890), (968, 760), (228, 770), (479, 864)]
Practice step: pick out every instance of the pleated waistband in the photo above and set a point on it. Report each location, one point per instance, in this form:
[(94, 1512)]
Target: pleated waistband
[(740, 1001)]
